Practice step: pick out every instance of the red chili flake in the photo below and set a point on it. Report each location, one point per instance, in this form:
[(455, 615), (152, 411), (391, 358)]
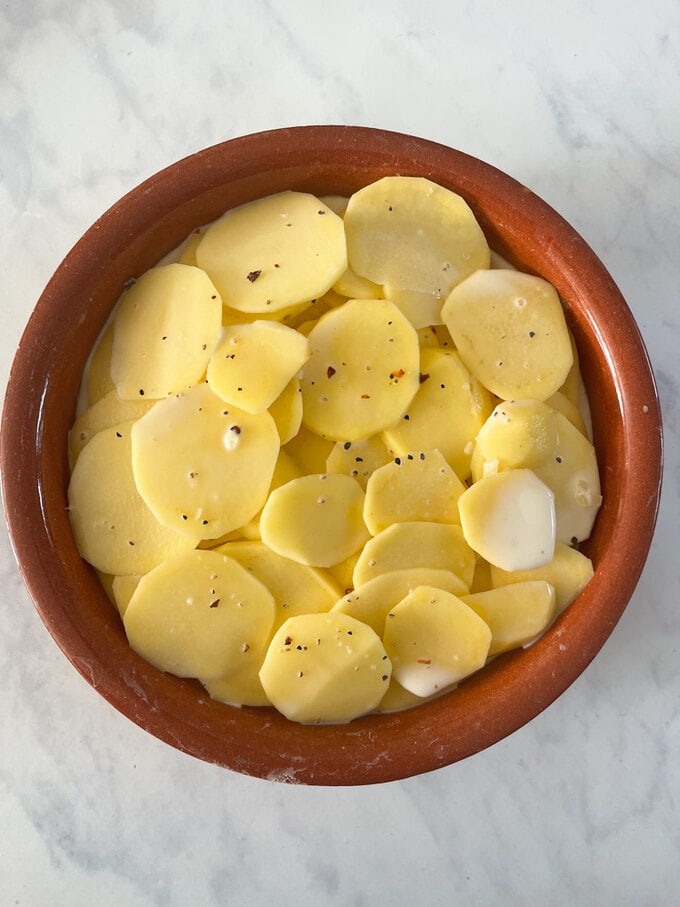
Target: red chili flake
[(330, 371), (288, 640), (214, 603), (422, 377), (348, 590), (424, 661), (365, 396), (398, 374), (253, 275)]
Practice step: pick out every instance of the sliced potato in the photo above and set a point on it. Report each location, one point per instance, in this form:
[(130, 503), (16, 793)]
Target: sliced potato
[(297, 588), (363, 371), (286, 411), (315, 520), (123, 588), (433, 640), (203, 466), (325, 668), (242, 687), (371, 601), (352, 286), (199, 615), (509, 519), (447, 412), (164, 331), (274, 252), (309, 451), (516, 613), (254, 362), (114, 529), (509, 330), (568, 572), (519, 434), (98, 380), (358, 459), (417, 239), (107, 411), (419, 486), (406, 545)]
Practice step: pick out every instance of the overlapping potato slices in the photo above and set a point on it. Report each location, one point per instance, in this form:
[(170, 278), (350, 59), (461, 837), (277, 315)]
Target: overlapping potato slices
[(332, 455)]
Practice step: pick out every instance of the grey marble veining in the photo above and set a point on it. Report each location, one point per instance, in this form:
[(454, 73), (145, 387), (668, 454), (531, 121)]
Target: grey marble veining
[(579, 101)]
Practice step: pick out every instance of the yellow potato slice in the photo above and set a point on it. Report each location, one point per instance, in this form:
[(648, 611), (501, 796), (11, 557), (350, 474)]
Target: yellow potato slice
[(203, 466), (164, 331), (325, 669), (187, 253), (122, 589), (396, 699), (114, 529), (286, 411), (297, 588), (371, 601), (315, 520), (572, 383), (509, 330), (275, 252), (516, 614), (199, 615), (352, 286), (509, 519), (342, 573), (417, 239), (358, 459), (419, 486), (564, 405), (519, 434), (98, 380), (433, 640), (447, 412), (363, 370), (107, 411), (254, 362), (309, 451), (242, 688), (573, 477), (406, 545), (568, 572), (337, 203)]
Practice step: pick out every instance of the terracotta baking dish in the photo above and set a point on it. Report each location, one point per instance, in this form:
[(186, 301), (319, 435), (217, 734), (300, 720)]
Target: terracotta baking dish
[(39, 409)]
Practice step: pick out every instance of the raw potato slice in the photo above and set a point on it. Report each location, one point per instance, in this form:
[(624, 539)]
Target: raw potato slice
[(396, 699), (107, 411), (447, 412), (286, 411), (274, 252), (187, 254), (358, 459), (370, 602), (297, 588), (419, 486), (242, 688), (309, 451), (114, 529), (315, 520), (433, 640), (568, 572), (200, 615), (254, 362), (98, 380), (363, 371), (519, 434), (509, 519), (405, 545), (509, 330), (564, 405), (352, 286), (123, 588), (164, 331), (337, 203), (573, 477), (516, 614), (325, 669), (416, 238), (203, 466)]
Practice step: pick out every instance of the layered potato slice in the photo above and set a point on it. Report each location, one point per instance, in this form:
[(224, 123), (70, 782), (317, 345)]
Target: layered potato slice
[(363, 370), (203, 466), (415, 238), (274, 253)]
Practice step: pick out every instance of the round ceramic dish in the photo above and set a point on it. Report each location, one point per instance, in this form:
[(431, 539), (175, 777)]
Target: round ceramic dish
[(39, 409)]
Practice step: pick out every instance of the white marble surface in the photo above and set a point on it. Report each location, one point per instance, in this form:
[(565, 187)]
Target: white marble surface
[(581, 102)]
